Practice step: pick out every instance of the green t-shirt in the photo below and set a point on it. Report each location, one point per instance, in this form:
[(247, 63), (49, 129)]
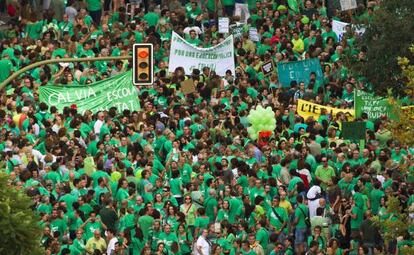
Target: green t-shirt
[(6, 67), (276, 221), (145, 222), (209, 205), (356, 223), (202, 222), (262, 236), (300, 213), (375, 198), (94, 5), (151, 18)]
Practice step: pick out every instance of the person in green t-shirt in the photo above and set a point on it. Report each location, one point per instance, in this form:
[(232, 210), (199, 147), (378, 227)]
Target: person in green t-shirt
[(301, 223), (95, 10)]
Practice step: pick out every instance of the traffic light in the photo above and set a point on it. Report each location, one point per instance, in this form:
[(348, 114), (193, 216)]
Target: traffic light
[(143, 64)]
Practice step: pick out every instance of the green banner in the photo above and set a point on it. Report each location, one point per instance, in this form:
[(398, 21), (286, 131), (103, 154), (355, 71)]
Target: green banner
[(374, 106), (299, 71), (116, 92)]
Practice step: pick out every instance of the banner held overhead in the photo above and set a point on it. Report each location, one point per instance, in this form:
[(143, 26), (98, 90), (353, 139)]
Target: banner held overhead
[(219, 58), (116, 92)]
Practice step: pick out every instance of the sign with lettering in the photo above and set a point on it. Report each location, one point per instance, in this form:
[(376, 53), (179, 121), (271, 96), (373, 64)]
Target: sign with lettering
[(268, 68), (299, 71), (308, 109), (223, 25), (219, 58), (237, 30), (254, 35), (372, 105), (116, 92)]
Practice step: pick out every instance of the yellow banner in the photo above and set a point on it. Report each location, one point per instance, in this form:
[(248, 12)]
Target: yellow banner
[(307, 109)]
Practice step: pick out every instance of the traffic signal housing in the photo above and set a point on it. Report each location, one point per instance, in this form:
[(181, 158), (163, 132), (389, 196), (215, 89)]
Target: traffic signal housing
[(143, 57)]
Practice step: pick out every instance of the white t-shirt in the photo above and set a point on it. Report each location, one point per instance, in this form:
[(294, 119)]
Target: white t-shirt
[(205, 246), (97, 126), (313, 204), (111, 245)]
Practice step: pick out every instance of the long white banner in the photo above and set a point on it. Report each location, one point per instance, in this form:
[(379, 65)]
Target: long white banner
[(219, 58)]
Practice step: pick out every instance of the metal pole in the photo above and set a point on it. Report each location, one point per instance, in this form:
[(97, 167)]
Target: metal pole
[(57, 60)]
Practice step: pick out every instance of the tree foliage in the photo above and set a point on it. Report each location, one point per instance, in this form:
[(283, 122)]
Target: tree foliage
[(403, 128), (388, 35), (19, 229), (395, 226)]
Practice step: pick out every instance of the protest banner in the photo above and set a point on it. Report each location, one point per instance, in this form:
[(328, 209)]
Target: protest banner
[(374, 106), (117, 92), (348, 5), (219, 58), (308, 109), (223, 25), (299, 71)]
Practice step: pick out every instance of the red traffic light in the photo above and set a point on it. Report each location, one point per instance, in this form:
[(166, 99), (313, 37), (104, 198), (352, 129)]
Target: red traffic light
[(143, 54)]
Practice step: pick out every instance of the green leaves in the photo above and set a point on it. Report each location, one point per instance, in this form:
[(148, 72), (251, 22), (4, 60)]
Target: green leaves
[(387, 36), (18, 223)]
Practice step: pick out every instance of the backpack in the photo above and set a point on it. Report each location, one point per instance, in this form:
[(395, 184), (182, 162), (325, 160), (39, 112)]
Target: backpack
[(305, 180)]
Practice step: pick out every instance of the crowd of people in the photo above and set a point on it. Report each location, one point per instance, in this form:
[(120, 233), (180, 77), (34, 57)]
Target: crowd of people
[(182, 176)]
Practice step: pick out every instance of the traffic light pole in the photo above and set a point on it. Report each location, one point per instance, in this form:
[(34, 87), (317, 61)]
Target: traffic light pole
[(58, 60)]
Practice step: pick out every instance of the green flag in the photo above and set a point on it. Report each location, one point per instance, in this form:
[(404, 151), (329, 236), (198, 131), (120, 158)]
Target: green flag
[(293, 5), (117, 91)]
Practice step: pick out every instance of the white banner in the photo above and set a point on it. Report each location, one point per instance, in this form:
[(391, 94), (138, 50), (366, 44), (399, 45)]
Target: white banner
[(219, 58), (339, 28)]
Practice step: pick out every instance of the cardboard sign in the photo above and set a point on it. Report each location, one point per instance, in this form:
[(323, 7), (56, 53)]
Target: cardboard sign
[(353, 130), (348, 4), (268, 68), (223, 25), (187, 87)]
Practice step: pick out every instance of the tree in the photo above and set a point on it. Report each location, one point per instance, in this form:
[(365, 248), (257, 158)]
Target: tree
[(19, 229), (394, 226), (388, 35), (403, 128)]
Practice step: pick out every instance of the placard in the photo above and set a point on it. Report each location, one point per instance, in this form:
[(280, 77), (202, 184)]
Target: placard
[(268, 68), (353, 130), (187, 86), (348, 4), (254, 35), (237, 30), (223, 25)]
